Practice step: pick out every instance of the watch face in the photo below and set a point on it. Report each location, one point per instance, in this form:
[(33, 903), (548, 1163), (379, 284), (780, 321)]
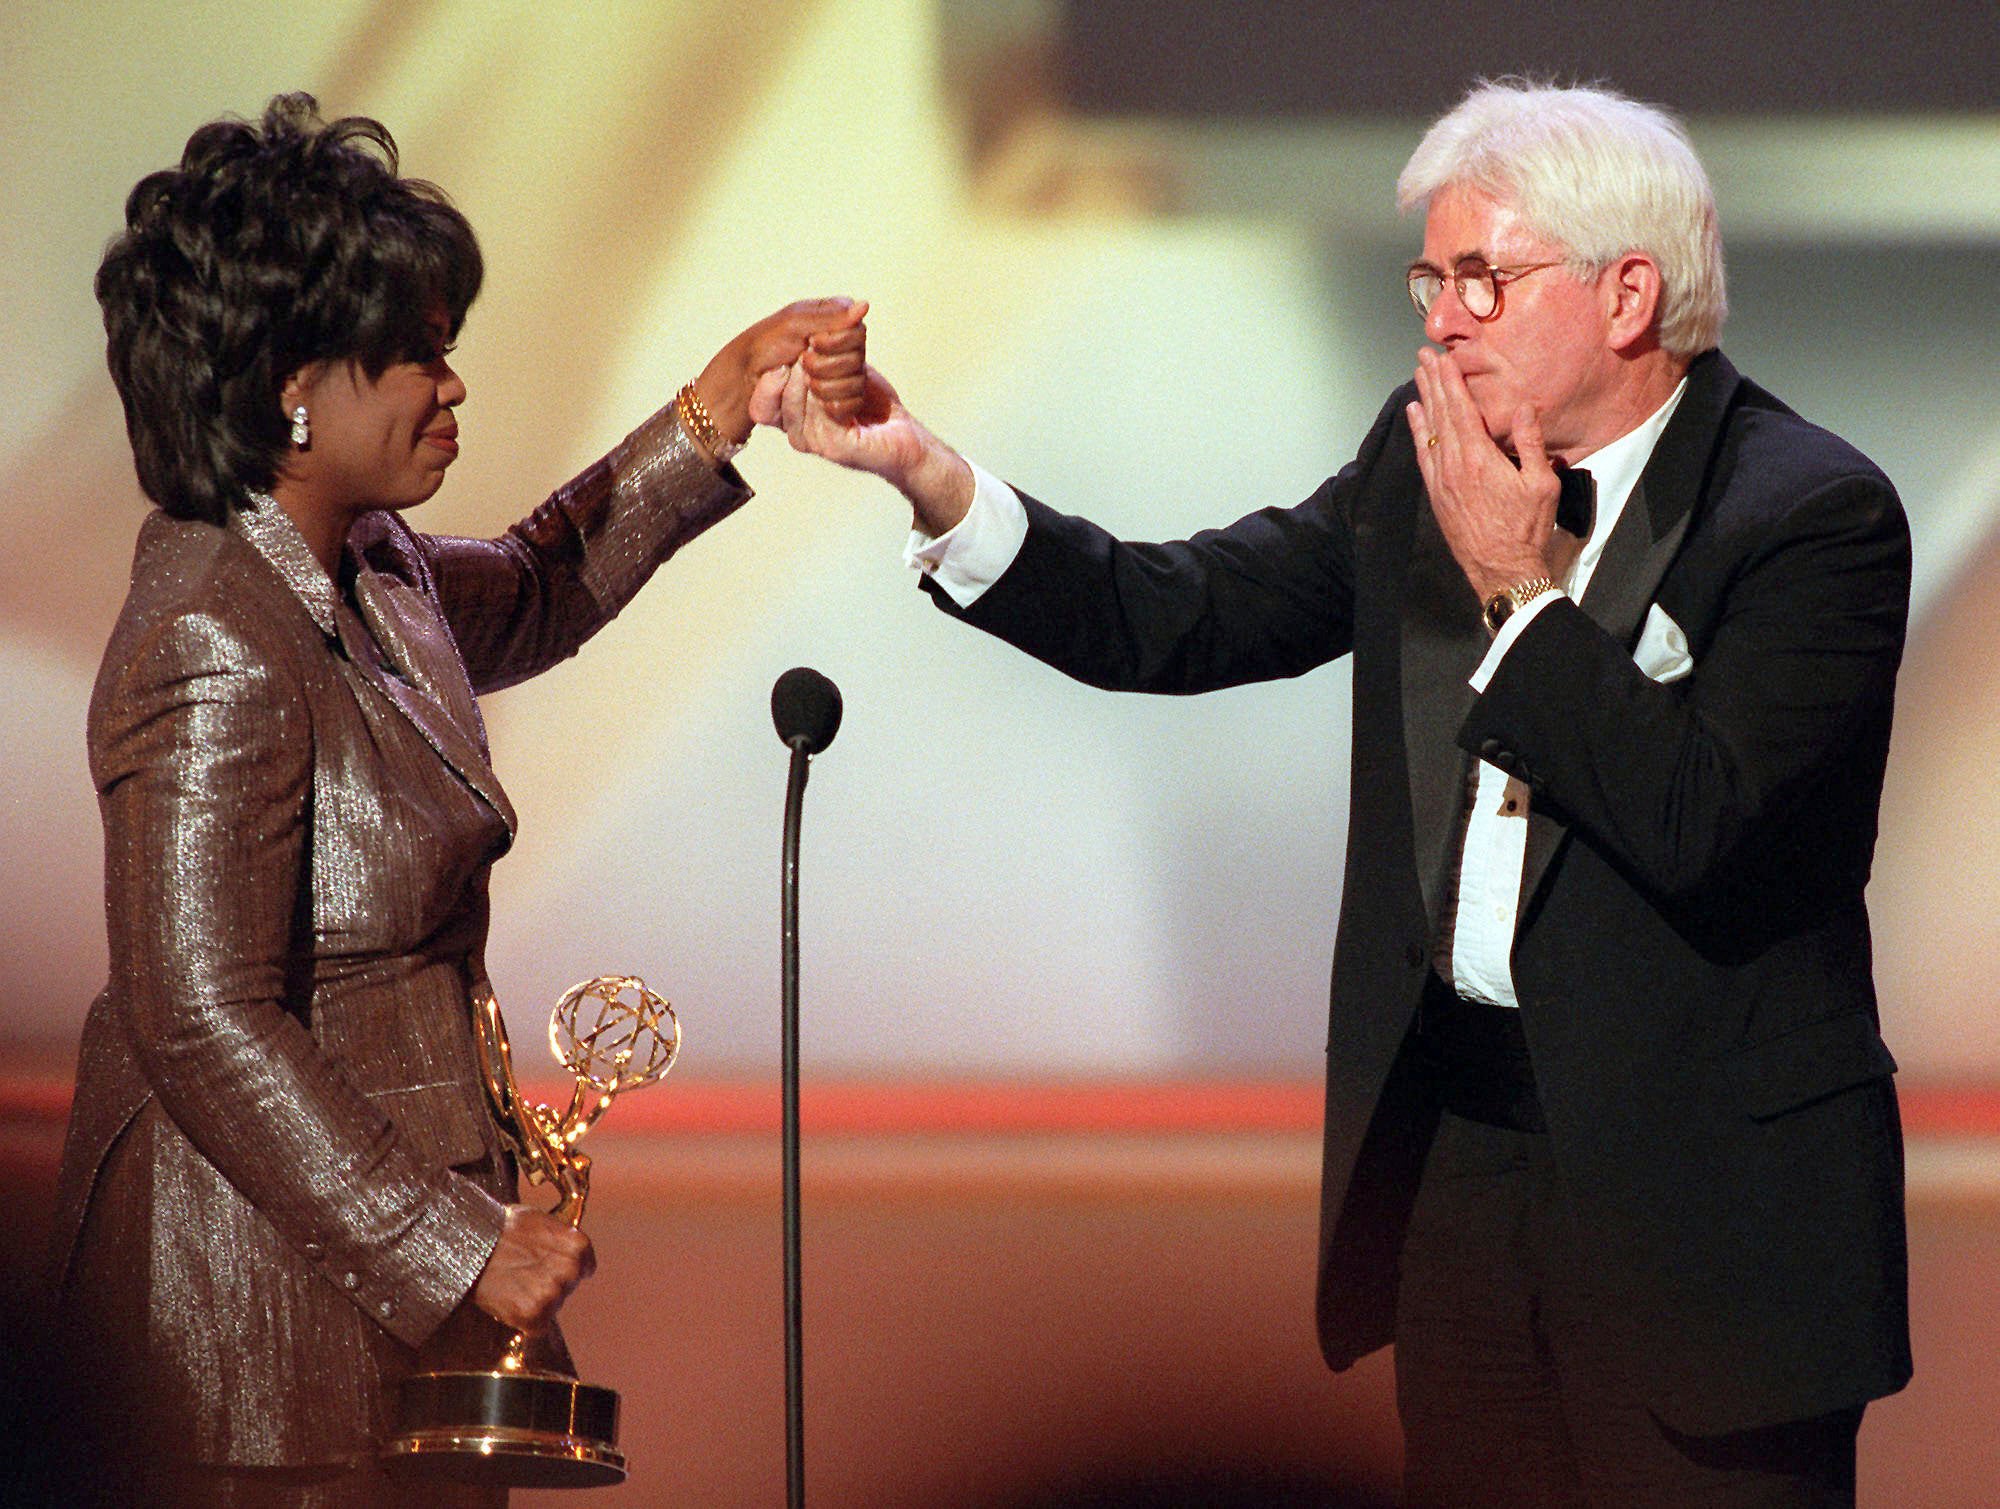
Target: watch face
[(1499, 608)]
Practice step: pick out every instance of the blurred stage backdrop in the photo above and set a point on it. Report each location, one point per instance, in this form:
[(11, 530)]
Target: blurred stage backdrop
[(1065, 953)]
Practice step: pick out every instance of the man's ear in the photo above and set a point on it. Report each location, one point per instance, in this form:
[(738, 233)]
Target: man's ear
[(1634, 282)]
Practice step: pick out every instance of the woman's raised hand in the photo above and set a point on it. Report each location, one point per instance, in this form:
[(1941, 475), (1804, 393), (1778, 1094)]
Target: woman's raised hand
[(827, 334)]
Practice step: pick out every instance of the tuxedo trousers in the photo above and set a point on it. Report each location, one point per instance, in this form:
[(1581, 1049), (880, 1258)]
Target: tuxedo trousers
[(1518, 1382)]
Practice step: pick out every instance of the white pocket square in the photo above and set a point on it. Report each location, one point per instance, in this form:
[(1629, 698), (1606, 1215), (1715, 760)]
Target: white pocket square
[(1663, 649)]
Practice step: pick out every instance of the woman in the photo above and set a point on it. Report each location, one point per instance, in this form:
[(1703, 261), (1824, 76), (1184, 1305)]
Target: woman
[(281, 1190)]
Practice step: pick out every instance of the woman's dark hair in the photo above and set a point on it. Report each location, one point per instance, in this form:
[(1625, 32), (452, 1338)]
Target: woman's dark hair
[(270, 247)]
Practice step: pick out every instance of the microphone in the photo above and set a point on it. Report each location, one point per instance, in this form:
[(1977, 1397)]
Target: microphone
[(806, 708)]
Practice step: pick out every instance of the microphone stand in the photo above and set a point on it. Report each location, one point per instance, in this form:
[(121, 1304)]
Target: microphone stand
[(805, 706), (795, 1426)]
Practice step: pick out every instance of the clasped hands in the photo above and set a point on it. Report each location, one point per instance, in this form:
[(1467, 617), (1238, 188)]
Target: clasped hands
[(1497, 513), (805, 369), (734, 385), (831, 403)]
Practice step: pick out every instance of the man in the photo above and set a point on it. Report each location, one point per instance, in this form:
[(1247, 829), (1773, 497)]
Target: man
[(1612, 1152)]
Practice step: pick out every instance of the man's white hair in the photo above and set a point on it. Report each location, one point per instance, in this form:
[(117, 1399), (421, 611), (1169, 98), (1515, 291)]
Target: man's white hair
[(1599, 173)]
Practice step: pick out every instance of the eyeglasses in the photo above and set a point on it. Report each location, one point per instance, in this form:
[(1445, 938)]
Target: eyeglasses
[(1476, 284)]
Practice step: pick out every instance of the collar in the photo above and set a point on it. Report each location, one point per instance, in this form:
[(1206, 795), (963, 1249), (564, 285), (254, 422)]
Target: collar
[(1615, 470), (261, 522)]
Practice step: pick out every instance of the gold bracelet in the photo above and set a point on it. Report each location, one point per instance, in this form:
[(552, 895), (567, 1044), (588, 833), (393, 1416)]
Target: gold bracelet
[(701, 429)]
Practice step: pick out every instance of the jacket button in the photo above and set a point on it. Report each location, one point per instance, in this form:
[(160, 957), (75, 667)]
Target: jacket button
[(1414, 955)]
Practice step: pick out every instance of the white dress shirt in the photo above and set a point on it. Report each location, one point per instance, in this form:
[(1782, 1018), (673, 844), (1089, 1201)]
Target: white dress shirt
[(1496, 833), (971, 556)]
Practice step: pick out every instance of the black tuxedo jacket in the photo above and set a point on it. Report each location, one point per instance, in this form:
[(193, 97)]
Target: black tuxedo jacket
[(1692, 957)]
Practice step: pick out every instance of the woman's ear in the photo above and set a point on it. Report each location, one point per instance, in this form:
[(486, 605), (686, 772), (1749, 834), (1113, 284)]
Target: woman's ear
[(297, 389)]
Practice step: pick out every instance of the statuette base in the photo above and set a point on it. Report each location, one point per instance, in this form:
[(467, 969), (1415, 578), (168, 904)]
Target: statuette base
[(519, 1430)]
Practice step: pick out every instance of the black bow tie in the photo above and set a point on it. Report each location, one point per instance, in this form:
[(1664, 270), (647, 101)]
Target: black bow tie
[(1576, 505)]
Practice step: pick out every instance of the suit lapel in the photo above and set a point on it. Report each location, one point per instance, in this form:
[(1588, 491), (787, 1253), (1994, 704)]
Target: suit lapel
[(1443, 642), (1643, 544), (399, 656), (416, 668)]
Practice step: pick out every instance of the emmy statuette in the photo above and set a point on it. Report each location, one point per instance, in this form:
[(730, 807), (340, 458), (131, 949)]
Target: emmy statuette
[(518, 1425)]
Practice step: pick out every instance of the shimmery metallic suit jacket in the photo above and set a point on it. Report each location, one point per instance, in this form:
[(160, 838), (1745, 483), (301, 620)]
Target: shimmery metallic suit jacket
[(280, 1179)]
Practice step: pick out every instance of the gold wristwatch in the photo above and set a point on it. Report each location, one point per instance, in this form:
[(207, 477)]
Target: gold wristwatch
[(1505, 603)]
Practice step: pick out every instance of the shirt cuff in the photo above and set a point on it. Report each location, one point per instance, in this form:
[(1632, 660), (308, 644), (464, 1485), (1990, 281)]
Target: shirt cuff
[(1510, 631), (976, 551)]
